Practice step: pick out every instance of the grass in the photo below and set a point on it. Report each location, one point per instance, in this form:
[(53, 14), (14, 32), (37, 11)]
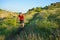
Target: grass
[(42, 25)]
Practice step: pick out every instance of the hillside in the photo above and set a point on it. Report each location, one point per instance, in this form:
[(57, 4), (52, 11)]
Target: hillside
[(53, 6), (50, 9), (4, 13), (40, 24)]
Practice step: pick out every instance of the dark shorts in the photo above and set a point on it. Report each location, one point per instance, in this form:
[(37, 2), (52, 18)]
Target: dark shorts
[(21, 21)]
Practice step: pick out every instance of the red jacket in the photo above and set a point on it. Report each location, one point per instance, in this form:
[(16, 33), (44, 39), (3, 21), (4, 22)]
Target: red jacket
[(21, 17)]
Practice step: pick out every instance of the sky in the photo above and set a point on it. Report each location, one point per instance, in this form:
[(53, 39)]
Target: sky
[(24, 5)]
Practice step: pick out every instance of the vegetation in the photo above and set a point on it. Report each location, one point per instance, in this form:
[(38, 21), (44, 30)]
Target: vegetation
[(40, 24)]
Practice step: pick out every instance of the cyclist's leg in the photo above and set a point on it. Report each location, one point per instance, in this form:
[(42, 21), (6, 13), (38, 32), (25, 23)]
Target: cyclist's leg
[(22, 24)]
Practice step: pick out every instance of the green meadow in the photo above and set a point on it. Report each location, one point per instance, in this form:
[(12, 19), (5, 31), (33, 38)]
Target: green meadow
[(40, 24)]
